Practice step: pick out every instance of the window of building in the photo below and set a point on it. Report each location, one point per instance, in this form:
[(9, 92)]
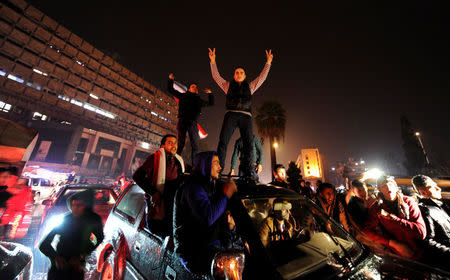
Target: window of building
[(5, 107), (39, 116)]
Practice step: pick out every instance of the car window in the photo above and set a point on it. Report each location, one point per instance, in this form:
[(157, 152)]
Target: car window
[(101, 196), (45, 182), (298, 237), (132, 202), (35, 182)]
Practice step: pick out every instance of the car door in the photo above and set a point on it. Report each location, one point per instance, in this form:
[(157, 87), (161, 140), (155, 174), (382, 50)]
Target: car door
[(148, 251)]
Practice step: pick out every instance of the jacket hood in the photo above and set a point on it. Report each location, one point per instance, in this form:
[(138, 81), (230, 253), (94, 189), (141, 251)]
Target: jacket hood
[(87, 197), (203, 163)]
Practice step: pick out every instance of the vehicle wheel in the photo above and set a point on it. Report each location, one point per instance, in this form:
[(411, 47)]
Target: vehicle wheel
[(107, 272)]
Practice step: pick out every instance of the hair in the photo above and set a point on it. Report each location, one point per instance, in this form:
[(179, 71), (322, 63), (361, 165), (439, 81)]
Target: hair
[(357, 184), (3, 169), (324, 186), (192, 83), (383, 180), (163, 140), (421, 181), (238, 67), (14, 171), (278, 166)]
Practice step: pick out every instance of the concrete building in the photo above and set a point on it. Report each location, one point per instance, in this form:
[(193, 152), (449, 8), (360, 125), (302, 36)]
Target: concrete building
[(93, 114)]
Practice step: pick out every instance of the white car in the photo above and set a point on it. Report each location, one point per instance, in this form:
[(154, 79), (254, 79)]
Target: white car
[(41, 187)]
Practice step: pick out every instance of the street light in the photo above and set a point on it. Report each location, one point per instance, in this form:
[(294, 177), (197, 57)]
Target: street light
[(275, 145), (423, 149)]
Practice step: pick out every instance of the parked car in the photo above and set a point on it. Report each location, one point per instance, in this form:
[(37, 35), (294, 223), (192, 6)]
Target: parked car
[(42, 188), (319, 247)]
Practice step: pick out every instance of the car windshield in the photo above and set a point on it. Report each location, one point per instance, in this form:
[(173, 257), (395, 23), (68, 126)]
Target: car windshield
[(298, 237), (102, 196)]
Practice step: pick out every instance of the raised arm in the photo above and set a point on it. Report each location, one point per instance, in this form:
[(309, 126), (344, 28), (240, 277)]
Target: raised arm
[(256, 83), (223, 84), (170, 88)]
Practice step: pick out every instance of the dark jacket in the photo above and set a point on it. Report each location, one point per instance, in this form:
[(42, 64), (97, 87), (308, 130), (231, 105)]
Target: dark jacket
[(190, 104), (75, 232), (198, 207), (437, 242), (239, 97)]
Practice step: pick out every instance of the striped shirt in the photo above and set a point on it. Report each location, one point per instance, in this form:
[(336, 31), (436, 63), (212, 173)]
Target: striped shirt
[(254, 85)]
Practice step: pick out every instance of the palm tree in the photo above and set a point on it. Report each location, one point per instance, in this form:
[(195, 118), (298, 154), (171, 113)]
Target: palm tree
[(271, 122)]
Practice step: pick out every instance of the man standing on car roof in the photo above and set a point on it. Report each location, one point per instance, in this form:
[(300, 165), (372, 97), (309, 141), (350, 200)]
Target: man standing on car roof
[(79, 234), (159, 178), (239, 108), (189, 109)]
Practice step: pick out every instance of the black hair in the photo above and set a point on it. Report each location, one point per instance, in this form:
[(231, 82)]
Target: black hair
[(3, 169), (420, 181), (278, 166), (324, 186), (14, 171), (163, 140), (357, 184)]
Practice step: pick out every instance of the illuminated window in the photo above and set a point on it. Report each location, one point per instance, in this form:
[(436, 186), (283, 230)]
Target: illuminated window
[(40, 72), (14, 78), (33, 85), (5, 107), (2, 73), (39, 116)]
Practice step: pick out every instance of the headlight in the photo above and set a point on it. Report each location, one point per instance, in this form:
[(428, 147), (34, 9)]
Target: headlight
[(53, 222), (228, 264)]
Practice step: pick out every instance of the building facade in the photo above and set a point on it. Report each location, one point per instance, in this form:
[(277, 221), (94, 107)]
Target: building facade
[(91, 112)]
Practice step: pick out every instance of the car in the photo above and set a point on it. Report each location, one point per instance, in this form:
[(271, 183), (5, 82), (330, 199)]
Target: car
[(57, 207), (319, 248), (16, 260), (42, 188)]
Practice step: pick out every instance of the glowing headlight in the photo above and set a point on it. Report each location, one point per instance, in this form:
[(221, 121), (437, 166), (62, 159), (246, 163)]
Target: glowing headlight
[(53, 222)]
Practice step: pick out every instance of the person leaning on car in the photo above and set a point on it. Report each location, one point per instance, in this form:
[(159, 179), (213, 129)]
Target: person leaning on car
[(437, 220), (199, 204)]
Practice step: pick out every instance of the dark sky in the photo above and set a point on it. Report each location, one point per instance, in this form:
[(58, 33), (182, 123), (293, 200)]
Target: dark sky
[(344, 71)]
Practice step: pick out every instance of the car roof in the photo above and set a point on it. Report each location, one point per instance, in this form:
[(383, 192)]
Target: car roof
[(250, 189), (85, 186)]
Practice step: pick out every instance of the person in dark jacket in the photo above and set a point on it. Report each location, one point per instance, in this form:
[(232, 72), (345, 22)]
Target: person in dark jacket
[(189, 109), (280, 176), (199, 204), (326, 199), (80, 232), (239, 108), (159, 178), (437, 220), (257, 156)]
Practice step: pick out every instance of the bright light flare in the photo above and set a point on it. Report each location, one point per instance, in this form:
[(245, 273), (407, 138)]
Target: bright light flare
[(275, 145), (374, 173)]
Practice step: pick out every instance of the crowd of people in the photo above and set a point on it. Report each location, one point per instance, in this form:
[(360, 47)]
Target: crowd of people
[(194, 208), (384, 219)]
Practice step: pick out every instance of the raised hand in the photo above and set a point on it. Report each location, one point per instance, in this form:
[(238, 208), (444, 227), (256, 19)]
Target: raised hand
[(212, 55), (269, 56), (171, 76)]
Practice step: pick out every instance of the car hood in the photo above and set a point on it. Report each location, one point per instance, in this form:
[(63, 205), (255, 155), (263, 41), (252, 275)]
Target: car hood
[(392, 267)]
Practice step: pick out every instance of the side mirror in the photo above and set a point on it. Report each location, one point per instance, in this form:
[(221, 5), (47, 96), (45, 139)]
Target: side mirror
[(47, 202), (228, 265)]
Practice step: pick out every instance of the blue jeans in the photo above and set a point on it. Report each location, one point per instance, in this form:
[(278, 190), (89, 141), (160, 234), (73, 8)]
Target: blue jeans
[(231, 121)]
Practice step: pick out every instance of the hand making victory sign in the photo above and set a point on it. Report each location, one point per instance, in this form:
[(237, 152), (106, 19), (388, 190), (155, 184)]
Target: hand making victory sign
[(212, 55)]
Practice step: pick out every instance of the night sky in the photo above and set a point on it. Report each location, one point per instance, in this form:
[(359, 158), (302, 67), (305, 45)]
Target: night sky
[(344, 71)]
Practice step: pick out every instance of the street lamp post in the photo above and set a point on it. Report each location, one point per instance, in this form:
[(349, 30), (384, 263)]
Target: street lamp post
[(423, 149)]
